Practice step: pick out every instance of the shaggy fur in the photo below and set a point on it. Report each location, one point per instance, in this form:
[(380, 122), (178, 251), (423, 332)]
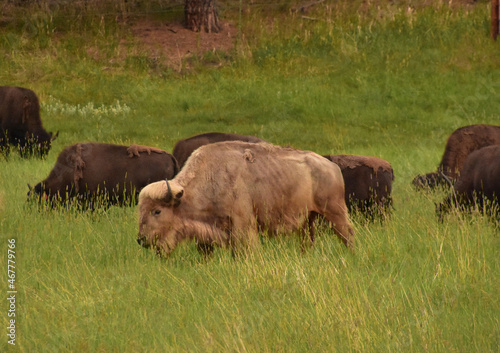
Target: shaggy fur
[(136, 150), (368, 183), (184, 148), (460, 144), (20, 122), (478, 182), (93, 170), (229, 191)]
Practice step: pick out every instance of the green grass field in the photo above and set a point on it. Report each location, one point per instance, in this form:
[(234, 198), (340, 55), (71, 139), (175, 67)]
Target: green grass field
[(389, 80)]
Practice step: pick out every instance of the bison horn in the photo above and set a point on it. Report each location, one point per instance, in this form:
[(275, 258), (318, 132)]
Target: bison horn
[(448, 180), (168, 196), (176, 195), (158, 191)]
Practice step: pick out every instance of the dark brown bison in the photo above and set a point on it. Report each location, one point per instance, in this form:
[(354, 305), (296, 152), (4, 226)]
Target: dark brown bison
[(478, 183), (368, 183), (184, 148), (20, 122), (112, 174), (460, 144), (228, 191)]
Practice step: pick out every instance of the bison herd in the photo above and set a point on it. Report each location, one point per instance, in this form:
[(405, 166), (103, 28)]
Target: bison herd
[(225, 189)]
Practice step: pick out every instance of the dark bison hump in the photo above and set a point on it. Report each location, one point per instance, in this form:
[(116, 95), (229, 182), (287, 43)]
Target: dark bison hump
[(184, 148), (464, 141), (19, 105)]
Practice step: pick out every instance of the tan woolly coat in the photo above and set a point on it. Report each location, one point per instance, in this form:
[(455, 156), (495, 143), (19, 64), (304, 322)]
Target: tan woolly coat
[(228, 191)]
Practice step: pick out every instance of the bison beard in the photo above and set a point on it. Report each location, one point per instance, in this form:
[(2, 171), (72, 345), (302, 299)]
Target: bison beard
[(257, 187)]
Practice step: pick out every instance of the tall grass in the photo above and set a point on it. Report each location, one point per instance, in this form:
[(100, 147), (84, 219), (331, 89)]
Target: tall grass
[(390, 80)]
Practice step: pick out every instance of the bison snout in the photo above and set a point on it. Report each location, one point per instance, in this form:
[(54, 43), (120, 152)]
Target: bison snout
[(141, 240)]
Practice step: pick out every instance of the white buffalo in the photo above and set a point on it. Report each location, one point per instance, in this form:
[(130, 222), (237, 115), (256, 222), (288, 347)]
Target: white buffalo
[(229, 191)]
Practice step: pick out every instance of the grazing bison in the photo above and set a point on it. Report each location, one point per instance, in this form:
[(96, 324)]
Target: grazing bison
[(20, 122), (368, 183), (460, 144), (184, 148), (478, 182), (113, 174), (228, 191)]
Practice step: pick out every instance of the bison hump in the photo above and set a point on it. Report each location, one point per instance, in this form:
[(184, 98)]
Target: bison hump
[(354, 161)]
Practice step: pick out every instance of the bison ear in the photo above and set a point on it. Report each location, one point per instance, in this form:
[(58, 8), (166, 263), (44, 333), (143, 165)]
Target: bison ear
[(177, 197), (179, 194)]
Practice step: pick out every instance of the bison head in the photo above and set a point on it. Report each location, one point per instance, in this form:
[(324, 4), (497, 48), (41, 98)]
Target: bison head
[(432, 181), (37, 192), (158, 225), (37, 144)]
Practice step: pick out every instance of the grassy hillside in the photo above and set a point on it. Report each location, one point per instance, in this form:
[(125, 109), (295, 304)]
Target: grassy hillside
[(389, 79)]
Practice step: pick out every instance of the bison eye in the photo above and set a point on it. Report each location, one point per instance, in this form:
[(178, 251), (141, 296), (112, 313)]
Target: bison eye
[(156, 212)]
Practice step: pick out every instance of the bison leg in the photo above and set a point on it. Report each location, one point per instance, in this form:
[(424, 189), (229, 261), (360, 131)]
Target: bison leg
[(243, 241), (342, 227), (452, 202), (443, 208), (309, 232), (244, 235), (4, 145), (205, 249), (312, 218)]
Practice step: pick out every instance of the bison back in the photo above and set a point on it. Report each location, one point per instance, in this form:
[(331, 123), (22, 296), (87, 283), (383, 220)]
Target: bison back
[(368, 180), (278, 186), (364, 184), (93, 169), (109, 167)]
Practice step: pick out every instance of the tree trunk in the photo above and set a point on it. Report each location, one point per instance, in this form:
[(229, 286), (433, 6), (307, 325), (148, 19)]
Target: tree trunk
[(494, 18), (201, 14)]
